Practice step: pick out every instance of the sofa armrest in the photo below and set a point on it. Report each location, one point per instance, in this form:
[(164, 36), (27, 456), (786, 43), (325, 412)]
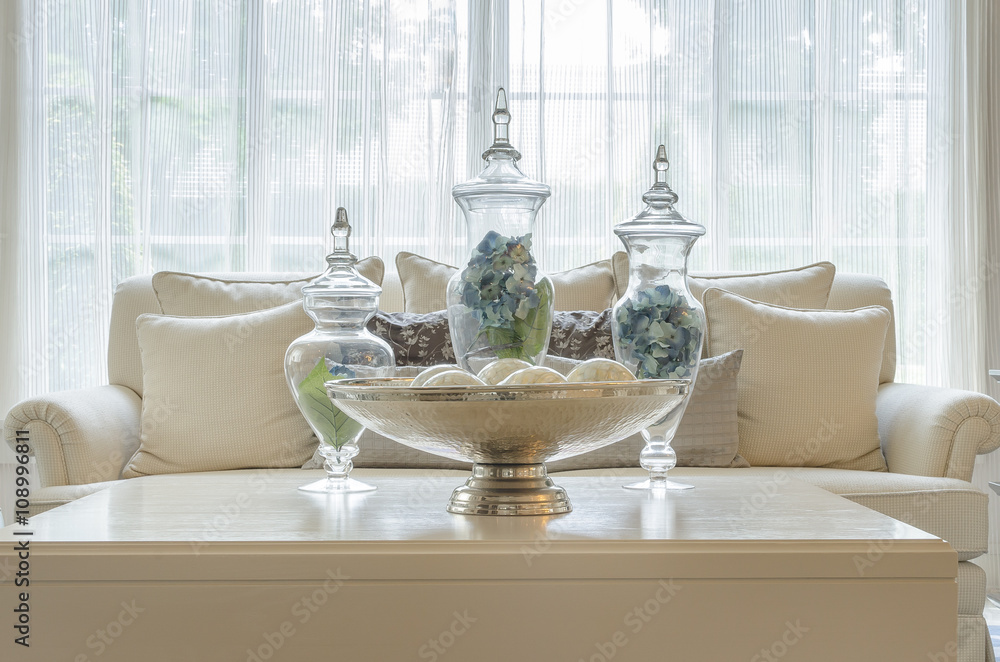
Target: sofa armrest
[(932, 431), (78, 437)]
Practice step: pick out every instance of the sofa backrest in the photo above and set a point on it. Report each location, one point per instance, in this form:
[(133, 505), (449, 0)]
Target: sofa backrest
[(135, 296)]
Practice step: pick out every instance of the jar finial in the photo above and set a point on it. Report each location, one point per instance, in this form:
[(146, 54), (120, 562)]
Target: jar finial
[(501, 136), (661, 165), (341, 231), (660, 194)]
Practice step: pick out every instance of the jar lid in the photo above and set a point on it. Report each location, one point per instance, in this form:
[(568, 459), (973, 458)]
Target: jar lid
[(501, 174), (341, 279), (659, 216)]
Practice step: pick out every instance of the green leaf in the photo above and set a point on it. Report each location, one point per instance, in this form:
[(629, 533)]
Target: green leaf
[(500, 337), (333, 426), (532, 328)]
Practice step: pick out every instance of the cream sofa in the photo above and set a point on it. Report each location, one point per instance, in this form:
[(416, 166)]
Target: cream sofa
[(930, 437)]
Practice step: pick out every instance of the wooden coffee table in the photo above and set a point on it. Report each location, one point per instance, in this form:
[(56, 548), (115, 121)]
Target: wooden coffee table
[(242, 566)]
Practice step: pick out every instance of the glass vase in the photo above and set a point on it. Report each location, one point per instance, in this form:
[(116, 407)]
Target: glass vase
[(499, 302), (340, 302), (658, 324)]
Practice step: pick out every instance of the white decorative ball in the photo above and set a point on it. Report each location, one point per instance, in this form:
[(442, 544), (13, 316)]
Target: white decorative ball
[(421, 379), (454, 378), (501, 369), (533, 375), (600, 370)]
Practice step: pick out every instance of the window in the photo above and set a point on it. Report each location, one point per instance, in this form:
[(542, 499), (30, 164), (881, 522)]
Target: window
[(219, 135)]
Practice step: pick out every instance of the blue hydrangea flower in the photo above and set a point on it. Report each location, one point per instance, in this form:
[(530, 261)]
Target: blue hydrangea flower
[(499, 287), (660, 331)]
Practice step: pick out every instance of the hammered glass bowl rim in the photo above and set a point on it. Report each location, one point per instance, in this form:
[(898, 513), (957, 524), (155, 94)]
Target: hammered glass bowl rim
[(397, 389)]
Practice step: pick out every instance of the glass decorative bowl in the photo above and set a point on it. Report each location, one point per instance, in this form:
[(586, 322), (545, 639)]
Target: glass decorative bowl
[(508, 432)]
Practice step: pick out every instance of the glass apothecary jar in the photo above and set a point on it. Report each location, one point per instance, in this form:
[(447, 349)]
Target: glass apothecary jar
[(658, 325), (340, 302), (500, 303)]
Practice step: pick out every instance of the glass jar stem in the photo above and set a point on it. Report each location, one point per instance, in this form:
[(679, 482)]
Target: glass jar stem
[(657, 457)]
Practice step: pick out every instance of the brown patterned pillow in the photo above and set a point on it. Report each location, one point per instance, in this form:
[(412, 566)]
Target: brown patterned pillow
[(419, 339), (582, 334), (422, 339)]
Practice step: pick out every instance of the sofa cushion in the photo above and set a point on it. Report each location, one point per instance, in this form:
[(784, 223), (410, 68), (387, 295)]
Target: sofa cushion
[(809, 380), (215, 395), (971, 589), (851, 291), (193, 295), (620, 265), (590, 287), (948, 508), (802, 287)]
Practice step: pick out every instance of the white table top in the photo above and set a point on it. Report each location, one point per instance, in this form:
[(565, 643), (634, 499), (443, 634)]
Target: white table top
[(215, 517), (262, 506)]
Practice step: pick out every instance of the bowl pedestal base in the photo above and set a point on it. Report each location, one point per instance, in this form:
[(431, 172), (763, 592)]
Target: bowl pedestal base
[(509, 489)]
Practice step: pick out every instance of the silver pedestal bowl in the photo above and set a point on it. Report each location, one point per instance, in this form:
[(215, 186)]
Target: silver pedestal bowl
[(507, 432)]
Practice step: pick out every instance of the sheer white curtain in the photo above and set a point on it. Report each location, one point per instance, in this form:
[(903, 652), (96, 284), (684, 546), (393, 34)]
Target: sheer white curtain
[(217, 135)]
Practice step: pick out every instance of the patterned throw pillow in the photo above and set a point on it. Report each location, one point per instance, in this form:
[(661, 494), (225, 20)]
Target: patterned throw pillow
[(422, 339), (582, 334), (416, 339)]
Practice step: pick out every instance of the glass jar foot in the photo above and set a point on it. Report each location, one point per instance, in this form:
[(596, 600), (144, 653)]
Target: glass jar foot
[(343, 485), (656, 485), (338, 467)]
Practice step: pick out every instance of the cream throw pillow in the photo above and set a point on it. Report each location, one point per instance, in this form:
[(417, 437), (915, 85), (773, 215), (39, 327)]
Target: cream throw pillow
[(215, 395), (193, 295), (590, 287), (808, 381), (804, 287)]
